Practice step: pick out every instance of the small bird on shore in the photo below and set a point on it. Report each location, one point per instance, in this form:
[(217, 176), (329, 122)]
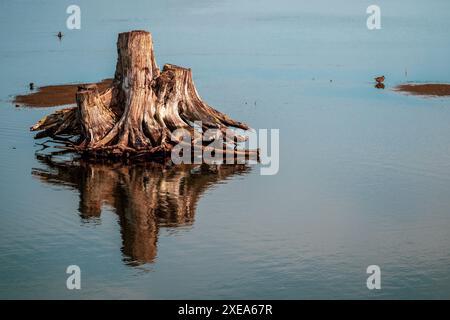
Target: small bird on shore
[(379, 79), (60, 35), (31, 86)]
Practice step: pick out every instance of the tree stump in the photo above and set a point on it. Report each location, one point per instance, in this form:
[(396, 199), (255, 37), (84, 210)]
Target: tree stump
[(138, 113), (146, 196)]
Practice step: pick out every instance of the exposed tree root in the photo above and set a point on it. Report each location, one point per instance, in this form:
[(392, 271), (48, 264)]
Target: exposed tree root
[(137, 116)]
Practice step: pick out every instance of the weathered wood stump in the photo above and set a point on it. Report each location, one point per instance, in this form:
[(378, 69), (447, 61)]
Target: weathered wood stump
[(145, 196), (138, 113)]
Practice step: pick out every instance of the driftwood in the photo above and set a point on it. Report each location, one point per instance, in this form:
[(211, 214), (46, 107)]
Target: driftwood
[(138, 113)]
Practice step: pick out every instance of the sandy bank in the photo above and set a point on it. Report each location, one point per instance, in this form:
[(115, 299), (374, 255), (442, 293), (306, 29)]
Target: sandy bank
[(429, 89)]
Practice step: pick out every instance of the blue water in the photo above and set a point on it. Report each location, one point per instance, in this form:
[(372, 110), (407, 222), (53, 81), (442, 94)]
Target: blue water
[(364, 173)]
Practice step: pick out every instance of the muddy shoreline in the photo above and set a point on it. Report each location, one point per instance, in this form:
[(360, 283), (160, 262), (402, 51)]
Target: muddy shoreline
[(59, 95), (426, 89), (55, 95)]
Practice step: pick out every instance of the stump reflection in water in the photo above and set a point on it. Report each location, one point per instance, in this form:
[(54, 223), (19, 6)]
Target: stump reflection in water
[(145, 196)]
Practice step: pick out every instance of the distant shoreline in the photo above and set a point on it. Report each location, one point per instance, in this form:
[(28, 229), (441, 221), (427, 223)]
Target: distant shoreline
[(59, 95)]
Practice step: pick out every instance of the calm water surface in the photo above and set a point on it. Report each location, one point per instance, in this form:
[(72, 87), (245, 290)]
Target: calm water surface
[(364, 175)]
